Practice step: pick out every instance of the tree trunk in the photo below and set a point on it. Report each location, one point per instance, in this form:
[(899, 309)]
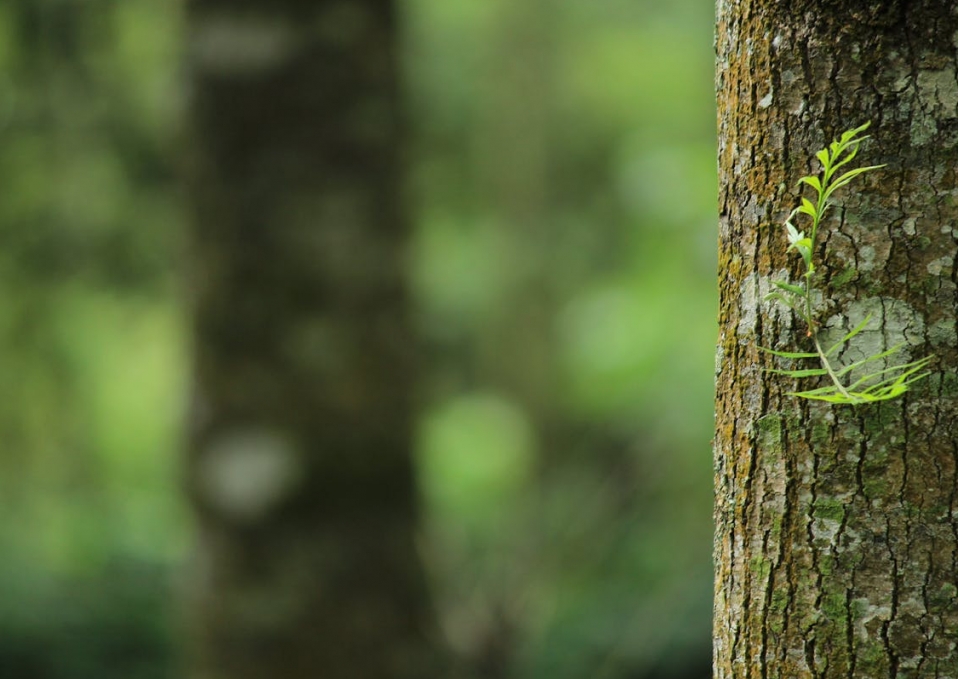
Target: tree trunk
[(836, 542), (300, 464)]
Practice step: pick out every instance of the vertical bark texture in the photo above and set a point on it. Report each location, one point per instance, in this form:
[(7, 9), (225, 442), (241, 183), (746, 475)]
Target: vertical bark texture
[(837, 527), (300, 469)]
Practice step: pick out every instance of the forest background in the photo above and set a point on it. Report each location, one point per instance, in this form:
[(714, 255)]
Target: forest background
[(562, 183)]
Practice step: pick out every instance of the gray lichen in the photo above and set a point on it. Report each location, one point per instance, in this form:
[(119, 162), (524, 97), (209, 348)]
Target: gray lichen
[(244, 474), (235, 43)]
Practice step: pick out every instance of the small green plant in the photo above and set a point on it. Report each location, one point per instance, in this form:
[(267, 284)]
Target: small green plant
[(880, 385)]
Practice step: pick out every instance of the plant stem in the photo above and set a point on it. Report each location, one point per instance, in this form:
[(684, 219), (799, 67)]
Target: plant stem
[(831, 371), (813, 333)]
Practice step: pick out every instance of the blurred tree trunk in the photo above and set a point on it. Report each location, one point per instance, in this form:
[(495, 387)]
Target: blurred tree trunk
[(516, 351), (300, 471), (837, 526)]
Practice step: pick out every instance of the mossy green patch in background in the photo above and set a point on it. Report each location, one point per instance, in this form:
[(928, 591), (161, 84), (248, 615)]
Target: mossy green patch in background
[(760, 566), (871, 655), (834, 608), (876, 487), (769, 436), (844, 277), (944, 597), (775, 533), (821, 433), (881, 418), (777, 607), (829, 509)]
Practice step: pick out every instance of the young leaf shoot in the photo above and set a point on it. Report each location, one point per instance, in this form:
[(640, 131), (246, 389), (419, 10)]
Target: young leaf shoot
[(880, 385)]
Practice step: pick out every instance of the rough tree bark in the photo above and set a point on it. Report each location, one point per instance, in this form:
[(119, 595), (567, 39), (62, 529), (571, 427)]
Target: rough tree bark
[(299, 467), (837, 527)]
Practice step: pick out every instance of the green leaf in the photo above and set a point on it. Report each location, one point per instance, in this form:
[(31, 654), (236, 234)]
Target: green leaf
[(890, 393), (793, 235), (812, 181), (849, 135), (830, 389), (808, 208), (849, 157), (789, 354), (808, 372), (788, 287), (913, 368), (804, 247), (871, 359), (779, 297), (858, 328), (907, 368), (824, 157), (832, 396), (920, 376), (847, 177)]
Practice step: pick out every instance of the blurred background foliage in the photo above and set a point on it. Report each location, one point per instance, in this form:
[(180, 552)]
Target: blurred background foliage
[(562, 178)]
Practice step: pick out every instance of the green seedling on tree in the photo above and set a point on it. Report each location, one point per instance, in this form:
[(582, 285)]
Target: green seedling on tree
[(846, 388)]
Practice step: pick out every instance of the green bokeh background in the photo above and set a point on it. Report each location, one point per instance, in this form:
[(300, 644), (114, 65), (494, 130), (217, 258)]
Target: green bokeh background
[(562, 181)]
